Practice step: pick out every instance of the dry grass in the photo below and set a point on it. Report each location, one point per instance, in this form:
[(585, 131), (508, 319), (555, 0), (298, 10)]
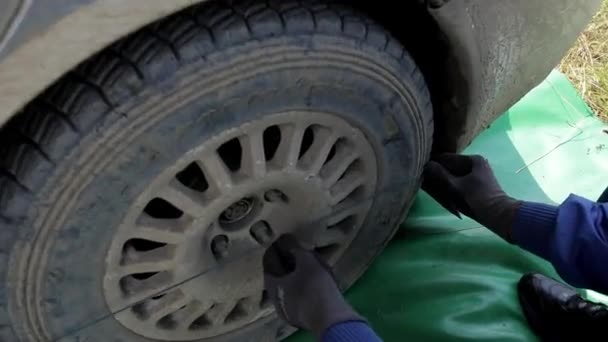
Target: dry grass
[(586, 64)]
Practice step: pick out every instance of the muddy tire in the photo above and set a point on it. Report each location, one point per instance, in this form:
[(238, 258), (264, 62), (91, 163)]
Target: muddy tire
[(82, 156)]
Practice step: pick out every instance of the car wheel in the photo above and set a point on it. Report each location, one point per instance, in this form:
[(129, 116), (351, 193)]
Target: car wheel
[(138, 192)]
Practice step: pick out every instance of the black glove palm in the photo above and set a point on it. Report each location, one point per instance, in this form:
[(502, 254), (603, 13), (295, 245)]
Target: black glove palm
[(466, 184), (302, 288)]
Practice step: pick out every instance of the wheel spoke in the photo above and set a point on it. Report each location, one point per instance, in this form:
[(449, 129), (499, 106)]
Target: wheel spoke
[(217, 173), (156, 260), (251, 304), (335, 168), (217, 313), (331, 237), (317, 154), (140, 290), (289, 148), (160, 230), (254, 158), (194, 311), (346, 186), (345, 209), (168, 304), (183, 198)]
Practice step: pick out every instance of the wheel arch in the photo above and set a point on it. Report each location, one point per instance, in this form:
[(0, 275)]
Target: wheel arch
[(50, 47), (472, 77)]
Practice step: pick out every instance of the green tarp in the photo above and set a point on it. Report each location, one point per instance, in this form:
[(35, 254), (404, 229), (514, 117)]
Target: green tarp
[(445, 279)]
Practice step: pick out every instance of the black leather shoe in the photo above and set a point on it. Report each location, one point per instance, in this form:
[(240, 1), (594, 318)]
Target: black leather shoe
[(557, 312)]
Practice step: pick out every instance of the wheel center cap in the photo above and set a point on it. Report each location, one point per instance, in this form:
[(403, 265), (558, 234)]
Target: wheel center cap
[(237, 211)]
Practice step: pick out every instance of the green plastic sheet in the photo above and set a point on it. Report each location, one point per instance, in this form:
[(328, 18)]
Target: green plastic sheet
[(445, 279)]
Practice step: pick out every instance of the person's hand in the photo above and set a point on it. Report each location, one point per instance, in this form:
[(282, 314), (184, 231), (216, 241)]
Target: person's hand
[(467, 185), (302, 288)]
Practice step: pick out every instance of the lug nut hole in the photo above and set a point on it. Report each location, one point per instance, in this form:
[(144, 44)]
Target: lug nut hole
[(219, 246), (262, 233), (275, 196)]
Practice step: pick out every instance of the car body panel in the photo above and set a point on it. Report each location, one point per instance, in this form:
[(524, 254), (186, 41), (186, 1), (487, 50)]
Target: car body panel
[(497, 50)]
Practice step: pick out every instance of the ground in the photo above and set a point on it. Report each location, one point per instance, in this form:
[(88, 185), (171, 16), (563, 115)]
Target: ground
[(586, 64)]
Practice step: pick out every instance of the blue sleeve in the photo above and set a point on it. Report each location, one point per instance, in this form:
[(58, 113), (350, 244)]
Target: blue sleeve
[(572, 236), (351, 331)]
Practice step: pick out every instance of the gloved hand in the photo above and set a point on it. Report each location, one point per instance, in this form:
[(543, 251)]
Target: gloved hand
[(302, 288), (466, 184)]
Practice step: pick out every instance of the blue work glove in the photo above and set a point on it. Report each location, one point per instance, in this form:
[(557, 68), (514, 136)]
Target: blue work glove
[(467, 185), (302, 288)]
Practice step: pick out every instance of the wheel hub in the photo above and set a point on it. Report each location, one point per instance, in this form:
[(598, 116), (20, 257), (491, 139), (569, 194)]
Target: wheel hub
[(237, 211), (189, 263)]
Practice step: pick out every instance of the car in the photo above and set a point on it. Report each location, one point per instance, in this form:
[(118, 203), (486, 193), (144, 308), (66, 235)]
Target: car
[(151, 150)]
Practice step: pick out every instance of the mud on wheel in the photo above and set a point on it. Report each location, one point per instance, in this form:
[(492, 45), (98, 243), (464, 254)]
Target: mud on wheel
[(140, 190)]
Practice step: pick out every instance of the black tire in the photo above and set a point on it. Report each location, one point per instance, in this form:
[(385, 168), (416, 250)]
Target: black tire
[(76, 156)]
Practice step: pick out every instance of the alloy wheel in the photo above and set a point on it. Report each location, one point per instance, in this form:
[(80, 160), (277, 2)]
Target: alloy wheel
[(186, 262)]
